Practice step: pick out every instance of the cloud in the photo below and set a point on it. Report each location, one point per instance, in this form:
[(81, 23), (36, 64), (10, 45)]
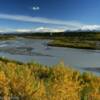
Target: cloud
[(64, 25), (90, 27), (31, 19), (35, 8), (37, 29), (23, 30), (46, 29), (2, 30)]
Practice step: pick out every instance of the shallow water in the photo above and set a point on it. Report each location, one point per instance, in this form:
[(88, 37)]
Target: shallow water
[(28, 50)]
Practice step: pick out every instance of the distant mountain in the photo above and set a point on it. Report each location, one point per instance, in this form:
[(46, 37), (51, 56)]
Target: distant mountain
[(46, 29), (38, 29), (81, 30)]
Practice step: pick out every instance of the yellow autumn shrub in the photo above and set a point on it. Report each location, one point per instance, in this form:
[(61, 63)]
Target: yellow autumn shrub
[(38, 82)]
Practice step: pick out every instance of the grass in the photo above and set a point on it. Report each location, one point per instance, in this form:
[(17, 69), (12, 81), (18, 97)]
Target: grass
[(83, 40), (4, 37), (33, 81), (74, 43)]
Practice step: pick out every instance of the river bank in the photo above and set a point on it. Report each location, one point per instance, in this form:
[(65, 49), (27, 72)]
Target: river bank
[(75, 44), (82, 40)]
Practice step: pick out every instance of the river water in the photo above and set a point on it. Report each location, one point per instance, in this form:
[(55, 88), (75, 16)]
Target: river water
[(29, 50)]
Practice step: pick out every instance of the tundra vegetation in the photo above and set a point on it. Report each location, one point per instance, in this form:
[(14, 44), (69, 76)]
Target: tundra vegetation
[(84, 40), (33, 81)]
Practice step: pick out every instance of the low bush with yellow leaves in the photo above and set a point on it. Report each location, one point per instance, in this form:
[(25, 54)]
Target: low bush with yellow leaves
[(37, 82)]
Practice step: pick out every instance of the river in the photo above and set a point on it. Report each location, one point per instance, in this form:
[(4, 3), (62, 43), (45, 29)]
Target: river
[(29, 50)]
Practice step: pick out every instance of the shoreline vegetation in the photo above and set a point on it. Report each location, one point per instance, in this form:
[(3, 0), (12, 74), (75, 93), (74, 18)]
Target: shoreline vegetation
[(81, 40), (71, 43), (4, 37), (33, 81)]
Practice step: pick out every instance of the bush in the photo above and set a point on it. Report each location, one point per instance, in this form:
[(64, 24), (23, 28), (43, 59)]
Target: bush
[(37, 82)]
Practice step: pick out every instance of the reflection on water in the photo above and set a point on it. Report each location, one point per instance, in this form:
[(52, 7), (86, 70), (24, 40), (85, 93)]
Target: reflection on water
[(29, 50)]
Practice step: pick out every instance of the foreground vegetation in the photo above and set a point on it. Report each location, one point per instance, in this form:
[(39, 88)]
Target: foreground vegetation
[(37, 82)]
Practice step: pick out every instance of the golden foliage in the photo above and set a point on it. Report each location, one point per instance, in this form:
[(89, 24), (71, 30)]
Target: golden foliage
[(37, 82)]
